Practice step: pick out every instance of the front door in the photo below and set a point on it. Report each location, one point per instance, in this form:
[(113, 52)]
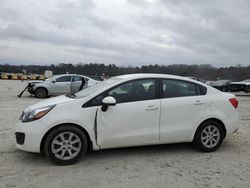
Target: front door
[(61, 85), (76, 84), (134, 120)]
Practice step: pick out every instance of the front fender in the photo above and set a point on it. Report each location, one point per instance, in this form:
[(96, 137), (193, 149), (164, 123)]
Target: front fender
[(37, 85), (83, 117), (72, 122)]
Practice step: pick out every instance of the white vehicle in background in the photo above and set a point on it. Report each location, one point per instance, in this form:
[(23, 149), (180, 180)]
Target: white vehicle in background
[(60, 84), (48, 74), (128, 110), (91, 81)]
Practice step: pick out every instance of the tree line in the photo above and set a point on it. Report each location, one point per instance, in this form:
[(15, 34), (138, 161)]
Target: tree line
[(203, 71)]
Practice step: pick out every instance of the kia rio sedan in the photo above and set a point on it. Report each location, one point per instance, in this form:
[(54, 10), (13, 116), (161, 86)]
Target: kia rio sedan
[(128, 110)]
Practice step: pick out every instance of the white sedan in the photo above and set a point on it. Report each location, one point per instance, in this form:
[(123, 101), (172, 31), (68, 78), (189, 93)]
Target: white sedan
[(59, 84), (128, 110)]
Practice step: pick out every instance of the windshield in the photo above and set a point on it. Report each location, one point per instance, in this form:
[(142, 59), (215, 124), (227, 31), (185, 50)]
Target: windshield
[(222, 81), (96, 87), (51, 78)]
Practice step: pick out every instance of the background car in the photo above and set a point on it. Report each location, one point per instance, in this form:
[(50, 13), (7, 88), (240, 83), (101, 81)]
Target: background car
[(244, 85), (210, 82), (128, 110), (59, 84), (222, 85)]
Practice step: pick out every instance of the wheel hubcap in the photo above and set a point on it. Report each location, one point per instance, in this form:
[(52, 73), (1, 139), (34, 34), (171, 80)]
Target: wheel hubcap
[(41, 93), (66, 145), (210, 136)]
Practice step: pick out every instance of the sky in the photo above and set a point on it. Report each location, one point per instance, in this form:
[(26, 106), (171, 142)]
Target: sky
[(125, 32)]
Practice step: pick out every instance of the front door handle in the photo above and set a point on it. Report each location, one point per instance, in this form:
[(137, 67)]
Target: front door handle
[(151, 108), (199, 102)]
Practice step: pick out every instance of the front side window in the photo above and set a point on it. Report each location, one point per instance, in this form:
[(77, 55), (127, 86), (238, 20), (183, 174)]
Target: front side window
[(179, 88), (137, 90), (77, 78), (64, 79)]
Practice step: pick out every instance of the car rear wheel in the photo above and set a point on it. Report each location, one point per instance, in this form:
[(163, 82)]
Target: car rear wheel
[(65, 145), (41, 92), (209, 136)]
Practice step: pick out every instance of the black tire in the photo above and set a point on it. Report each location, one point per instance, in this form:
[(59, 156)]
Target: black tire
[(247, 89), (41, 92), (65, 129), (200, 134)]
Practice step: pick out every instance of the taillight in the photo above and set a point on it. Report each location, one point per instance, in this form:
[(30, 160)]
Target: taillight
[(234, 102)]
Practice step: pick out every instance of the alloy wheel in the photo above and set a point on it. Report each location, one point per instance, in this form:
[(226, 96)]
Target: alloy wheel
[(210, 136), (66, 145)]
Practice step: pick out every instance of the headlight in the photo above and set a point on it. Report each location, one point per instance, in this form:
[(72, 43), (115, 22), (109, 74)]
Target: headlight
[(35, 114)]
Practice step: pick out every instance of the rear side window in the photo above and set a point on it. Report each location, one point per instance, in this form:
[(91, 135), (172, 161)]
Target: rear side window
[(64, 79), (178, 88)]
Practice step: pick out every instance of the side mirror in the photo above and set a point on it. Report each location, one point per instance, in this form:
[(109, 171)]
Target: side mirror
[(53, 81), (108, 101)]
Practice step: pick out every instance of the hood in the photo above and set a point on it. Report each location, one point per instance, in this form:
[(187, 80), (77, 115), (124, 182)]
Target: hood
[(35, 82), (55, 100)]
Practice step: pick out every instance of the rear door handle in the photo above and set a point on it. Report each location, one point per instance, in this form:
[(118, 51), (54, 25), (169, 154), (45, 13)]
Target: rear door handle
[(151, 108)]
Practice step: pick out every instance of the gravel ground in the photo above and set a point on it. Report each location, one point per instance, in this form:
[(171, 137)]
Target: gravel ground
[(175, 165)]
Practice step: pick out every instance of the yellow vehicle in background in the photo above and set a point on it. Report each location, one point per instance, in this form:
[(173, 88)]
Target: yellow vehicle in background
[(23, 77), (33, 77), (4, 76), (14, 77), (42, 77)]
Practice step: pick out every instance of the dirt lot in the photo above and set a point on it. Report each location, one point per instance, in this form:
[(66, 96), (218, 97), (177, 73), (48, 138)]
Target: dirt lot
[(177, 165)]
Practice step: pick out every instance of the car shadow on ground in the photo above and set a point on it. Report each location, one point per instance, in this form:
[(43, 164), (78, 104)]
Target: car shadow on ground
[(173, 150), (144, 150), (113, 154)]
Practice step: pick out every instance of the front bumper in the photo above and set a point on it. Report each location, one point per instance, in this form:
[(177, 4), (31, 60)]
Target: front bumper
[(31, 89), (29, 136), (20, 137)]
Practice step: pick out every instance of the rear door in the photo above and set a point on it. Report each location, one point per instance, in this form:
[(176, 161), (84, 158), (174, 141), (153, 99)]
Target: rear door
[(183, 104)]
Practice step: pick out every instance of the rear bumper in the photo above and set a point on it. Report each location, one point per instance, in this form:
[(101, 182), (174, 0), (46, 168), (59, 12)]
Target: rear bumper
[(232, 123)]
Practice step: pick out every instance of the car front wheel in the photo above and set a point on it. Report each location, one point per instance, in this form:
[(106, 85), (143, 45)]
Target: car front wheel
[(209, 136), (65, 145), (41, 92)]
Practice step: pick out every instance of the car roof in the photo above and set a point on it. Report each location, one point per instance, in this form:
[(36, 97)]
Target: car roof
[(151, 75), (154, 75), (68, 75)]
